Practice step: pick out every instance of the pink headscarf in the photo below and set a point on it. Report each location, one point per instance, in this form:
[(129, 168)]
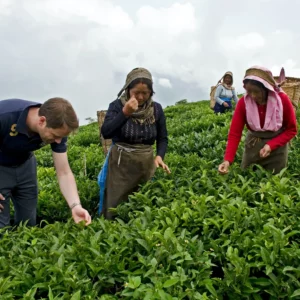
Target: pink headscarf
[(274, 113)]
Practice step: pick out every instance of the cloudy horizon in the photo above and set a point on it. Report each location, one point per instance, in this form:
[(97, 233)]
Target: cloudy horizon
[(82, 50)]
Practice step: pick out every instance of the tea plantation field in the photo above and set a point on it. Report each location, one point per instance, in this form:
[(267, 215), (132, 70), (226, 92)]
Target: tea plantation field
[(190, 235)]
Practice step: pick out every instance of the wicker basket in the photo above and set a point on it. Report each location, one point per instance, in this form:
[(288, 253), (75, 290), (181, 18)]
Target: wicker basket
[(106, 143), (212, 96), (291, 87)]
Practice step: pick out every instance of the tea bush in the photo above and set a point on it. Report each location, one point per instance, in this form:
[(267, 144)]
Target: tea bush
[(192, 234)]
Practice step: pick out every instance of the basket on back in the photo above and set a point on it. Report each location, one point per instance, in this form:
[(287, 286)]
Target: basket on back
[(212, 96), (106, 143), (291, 86)]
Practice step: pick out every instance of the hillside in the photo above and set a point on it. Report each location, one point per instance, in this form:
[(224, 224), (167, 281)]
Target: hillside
[(190, 235)]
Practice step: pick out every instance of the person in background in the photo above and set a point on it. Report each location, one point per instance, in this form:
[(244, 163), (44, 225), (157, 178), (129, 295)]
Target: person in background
[(134, 122), (26, 126), (270, 118), (224, 94)]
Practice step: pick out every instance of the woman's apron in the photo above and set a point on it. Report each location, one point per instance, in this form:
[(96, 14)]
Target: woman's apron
[(255, 141), (128, 167)]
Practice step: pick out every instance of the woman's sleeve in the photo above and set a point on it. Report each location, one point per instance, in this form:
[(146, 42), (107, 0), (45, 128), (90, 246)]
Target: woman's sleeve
[(114, 120), (236, 130), (162, 133), (218, 94)]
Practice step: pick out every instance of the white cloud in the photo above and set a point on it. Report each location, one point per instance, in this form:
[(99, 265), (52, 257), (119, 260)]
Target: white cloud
[(248, 41), (161, 39), (291, 68), (83, 49), (165, 82), (251, 40), (5, 7), (102, 12), (174, 20)]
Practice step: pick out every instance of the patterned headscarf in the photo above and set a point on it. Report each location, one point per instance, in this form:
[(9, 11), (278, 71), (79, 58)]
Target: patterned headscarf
[(144, 114), (135, 74)]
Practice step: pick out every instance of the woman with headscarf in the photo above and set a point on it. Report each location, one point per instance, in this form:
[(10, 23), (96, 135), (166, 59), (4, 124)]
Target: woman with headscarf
[(225, 92), (134, 122), (270, 118)]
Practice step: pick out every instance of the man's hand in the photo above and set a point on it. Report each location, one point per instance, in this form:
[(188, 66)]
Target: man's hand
[(68, 187), (225, 104), (131, 106), (80, 214)]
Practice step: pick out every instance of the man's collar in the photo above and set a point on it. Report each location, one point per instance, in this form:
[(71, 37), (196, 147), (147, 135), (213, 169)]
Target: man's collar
[(21, 124)]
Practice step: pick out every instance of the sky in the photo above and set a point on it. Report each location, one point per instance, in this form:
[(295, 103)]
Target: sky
[(82, 50)]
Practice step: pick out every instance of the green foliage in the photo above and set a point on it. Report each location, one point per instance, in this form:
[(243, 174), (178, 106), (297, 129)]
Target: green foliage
[(183, 101), (192, 234), (86, 136)]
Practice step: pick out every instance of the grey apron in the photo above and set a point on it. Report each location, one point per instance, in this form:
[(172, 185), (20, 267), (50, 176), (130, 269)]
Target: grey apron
[(128, 167), (255, 141)]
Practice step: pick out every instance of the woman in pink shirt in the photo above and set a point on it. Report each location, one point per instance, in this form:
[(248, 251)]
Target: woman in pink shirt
[(270, 118)]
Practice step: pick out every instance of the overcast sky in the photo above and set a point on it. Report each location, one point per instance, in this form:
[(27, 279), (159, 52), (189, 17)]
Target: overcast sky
[(83, 49)]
